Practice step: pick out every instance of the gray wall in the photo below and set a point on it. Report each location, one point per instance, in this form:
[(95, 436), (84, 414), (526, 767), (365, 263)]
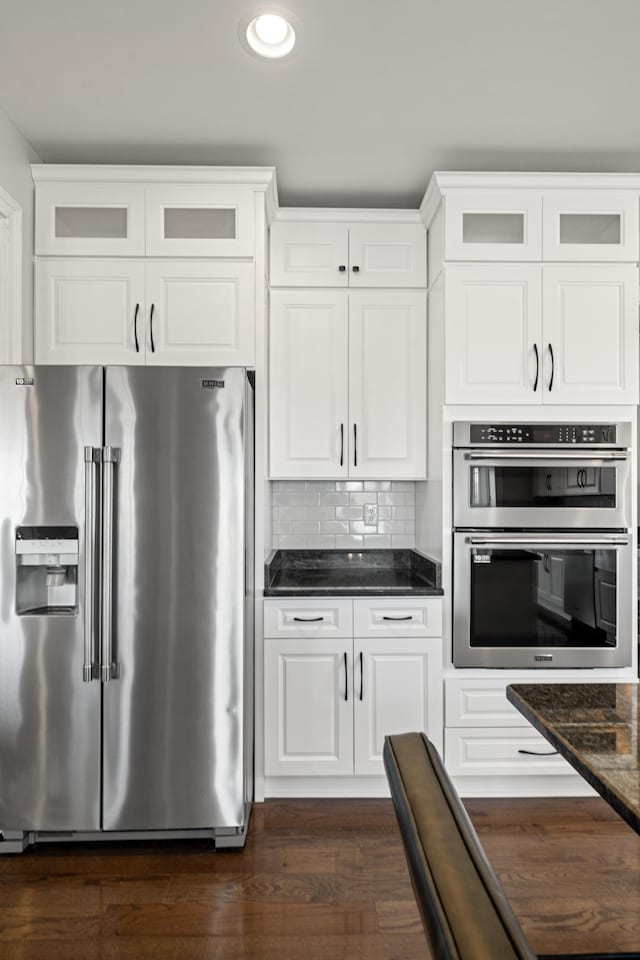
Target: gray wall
[(15, 177)]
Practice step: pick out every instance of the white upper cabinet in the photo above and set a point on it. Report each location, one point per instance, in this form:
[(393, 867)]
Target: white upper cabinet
[(553, 334), (90, 219), (590, 225), (493, 225), (313, 254), (347, 384), (590, 327), (493, 333), (308, 384), (199, 220)]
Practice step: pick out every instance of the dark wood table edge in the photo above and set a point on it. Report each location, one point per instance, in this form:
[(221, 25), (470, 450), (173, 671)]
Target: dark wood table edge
[(566, 751)]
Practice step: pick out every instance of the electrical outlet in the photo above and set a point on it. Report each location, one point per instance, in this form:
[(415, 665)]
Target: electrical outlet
[(370, 513)]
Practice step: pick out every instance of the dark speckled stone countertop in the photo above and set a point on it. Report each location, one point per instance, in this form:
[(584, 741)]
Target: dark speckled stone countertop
[(596, 727), (366, 573)]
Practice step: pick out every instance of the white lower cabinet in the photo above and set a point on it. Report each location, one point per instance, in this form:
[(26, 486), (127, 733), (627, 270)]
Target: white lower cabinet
[(500, 751), (330, 701)]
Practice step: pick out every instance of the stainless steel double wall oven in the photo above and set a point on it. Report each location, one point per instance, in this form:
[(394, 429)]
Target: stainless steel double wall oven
[(542, 545)]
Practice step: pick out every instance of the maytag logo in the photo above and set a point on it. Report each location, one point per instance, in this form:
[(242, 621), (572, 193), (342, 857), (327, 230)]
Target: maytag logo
[(544, 657), (212, 384), (24, 381)]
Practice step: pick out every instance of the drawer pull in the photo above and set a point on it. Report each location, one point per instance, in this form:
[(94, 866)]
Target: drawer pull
[(308, 619), (346, 677), (540, 753), (409, 617)]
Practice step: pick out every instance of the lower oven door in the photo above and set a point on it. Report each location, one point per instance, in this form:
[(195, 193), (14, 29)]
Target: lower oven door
[(542, 600), (533, 489)]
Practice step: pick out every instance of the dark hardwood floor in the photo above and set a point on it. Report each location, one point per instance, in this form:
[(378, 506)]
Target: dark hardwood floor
[(318, 880)]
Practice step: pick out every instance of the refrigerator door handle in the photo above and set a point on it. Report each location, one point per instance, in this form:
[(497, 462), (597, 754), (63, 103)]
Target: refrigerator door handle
[(108, 669), (89, 667)]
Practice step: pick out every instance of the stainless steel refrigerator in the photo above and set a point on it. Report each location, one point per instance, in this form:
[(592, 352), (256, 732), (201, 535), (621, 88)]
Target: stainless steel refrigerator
[(126, 614)]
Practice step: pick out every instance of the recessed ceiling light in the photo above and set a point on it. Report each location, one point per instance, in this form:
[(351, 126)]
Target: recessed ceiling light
[(270, 35)]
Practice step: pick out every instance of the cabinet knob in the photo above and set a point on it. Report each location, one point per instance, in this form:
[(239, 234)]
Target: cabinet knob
[(342, 268), (356, 269)]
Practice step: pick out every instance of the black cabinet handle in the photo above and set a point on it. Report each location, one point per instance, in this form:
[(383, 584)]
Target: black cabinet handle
[(355, 445), (135, 327), (356, 269), (535, 349), (539, 753), (308, 619), (341, 444), (385, 617), (153, 346), (346, 679), (342, 268), (548, 482), (361, 676), (553, 367)]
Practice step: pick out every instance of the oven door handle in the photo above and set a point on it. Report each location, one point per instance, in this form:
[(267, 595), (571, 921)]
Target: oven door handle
[(611, 541), (536, 455)]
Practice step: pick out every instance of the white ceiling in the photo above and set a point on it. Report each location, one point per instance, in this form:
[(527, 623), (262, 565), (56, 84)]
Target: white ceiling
[(378, 94)]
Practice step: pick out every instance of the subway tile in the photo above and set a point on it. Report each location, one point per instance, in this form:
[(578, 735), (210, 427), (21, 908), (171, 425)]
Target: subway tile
[(306, 527), (377, 485), (282, 499), (391, 526), (320, 513), (403, 541), (377, 541), (391, 500), (305, 500), (321, 543), (292, 543), (357, 526), (348, 513), (320, 486), (404, 513), (292, 513), (334, 499), (334, 527), (403, 486), (359, 498), (348, 543), (353, 486), (282, 527), (384, 513), (275, 513)]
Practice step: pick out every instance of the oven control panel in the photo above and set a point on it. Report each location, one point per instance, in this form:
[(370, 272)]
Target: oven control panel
[(542, 434)]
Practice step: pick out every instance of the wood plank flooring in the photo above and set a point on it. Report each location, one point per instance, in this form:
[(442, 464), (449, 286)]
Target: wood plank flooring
[(318, 880)]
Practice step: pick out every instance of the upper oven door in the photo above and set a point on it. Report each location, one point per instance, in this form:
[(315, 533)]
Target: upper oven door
[(541, 489)]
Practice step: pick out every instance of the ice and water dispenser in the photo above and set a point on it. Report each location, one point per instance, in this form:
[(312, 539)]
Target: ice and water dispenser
[(47, 570)]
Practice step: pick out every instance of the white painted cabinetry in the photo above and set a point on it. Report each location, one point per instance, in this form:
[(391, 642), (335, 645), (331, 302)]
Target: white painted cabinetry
[(311, 254), (330, 701), (552, 334), (347, 382)]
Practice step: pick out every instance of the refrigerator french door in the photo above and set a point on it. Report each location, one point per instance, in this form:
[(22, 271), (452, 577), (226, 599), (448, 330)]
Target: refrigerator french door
[(126, 505)]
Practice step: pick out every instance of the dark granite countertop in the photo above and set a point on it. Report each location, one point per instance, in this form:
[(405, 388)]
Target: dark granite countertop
[(596, 727), (365, 573)]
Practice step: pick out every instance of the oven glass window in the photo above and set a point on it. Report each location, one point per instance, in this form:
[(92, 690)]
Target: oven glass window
[(544, 486), (535, 597)]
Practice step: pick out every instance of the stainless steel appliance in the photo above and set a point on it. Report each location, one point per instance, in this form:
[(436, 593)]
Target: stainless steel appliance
[(126, 498), (542, 548)]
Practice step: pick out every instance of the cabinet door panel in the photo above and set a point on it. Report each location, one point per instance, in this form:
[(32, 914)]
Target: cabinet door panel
[(308, 377), (203, 313), (309, 255), (387, 255), (387, 384), (199, 220), (590, 225), (309, 708), (493, 225), (90, 219), (590, 334), (89, 311), (398, 688), (494, 326)]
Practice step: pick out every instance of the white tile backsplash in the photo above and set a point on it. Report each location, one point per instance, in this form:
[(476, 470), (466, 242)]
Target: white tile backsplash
[(329, 514)]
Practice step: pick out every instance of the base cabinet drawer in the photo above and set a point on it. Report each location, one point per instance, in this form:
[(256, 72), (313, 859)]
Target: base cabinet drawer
[(500, 751), (308, 618), (400, 617), (480, 703)]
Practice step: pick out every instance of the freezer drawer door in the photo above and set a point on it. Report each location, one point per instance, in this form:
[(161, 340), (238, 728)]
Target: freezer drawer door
[(49, 716), (173, 712)]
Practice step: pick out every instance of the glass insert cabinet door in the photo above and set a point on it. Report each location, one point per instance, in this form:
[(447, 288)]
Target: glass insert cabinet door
[(590, 225), (587, 492), (89, 219), (200, 220)]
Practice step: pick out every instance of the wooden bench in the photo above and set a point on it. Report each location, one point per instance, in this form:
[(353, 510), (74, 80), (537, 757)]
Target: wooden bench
[(465, 912)]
